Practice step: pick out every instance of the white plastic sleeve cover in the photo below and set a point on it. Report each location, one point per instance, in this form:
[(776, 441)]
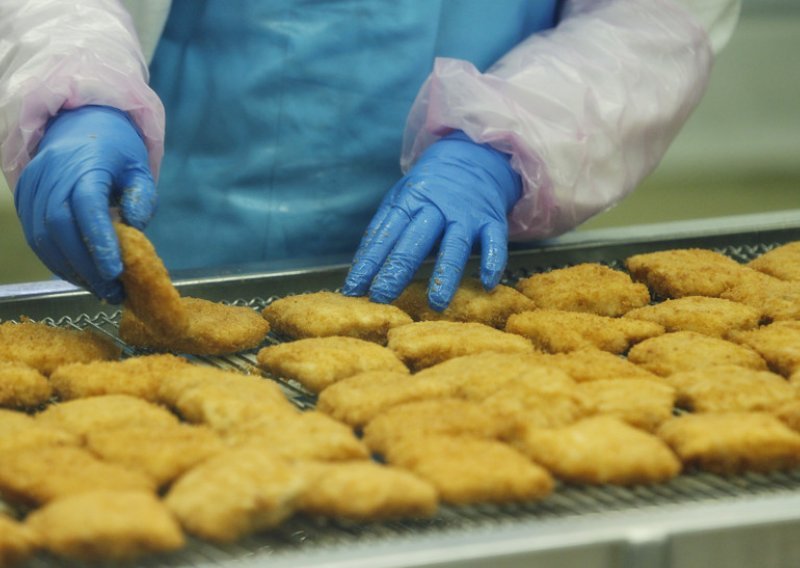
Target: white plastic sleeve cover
[(586, 109), (63, 54)]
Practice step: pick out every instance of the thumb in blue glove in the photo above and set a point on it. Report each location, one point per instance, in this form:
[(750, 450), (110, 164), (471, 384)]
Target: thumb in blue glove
[(459, 192), (89, 159)]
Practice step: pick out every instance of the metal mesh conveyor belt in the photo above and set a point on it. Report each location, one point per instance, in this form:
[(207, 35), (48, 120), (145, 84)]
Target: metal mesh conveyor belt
[(306, 542)]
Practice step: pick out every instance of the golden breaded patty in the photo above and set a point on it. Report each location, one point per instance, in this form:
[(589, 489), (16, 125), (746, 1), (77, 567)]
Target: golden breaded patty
[(163, 454), (358, 399), (476, 377), (149, 292), (789, 413), (688, 350), (418, 420), (326, 314), (136, 376), (778, 343), (39, 475), (588, 287), (318, 362), (471, 303), (558, 331), (685, 272), (45, 347), (642, 403), (732, 442), (310, 435), (466, 470), (22, 386), (173, 386), (365, 491), (592, 364), (426, 343), (774, 299), (17, 542), (781, 262), (599, 450), (19, 431), (730, 388), (213, 329), (85, 415), (106, 526), (235, 493), (709, 316)]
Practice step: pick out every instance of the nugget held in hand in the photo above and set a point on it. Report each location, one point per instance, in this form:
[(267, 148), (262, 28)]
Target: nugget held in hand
[(213, 329), (326, 314), (106, 526), (588, 287), (22, 386), (427, 343), (599, 450), (45, 347), (559, 331), (471, 303), (710, 316), (318, 362), (732, 442)]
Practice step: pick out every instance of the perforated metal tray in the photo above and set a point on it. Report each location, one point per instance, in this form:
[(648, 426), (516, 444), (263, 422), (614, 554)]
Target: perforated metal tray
[(698, 519)]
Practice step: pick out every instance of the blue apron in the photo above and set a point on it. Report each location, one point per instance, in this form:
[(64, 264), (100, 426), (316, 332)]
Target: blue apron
[(285, 117)]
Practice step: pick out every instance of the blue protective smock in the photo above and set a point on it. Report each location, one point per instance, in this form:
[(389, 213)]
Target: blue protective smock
[(285, 117)]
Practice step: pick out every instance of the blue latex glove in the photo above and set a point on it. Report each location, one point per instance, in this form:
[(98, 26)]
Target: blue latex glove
[(458, 191), (89, 159)]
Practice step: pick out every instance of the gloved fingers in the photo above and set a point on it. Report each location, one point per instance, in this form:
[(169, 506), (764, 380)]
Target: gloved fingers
[(138, 200), (90, 202), (412, 247), (494, 254), (453, 255), (373, 251)]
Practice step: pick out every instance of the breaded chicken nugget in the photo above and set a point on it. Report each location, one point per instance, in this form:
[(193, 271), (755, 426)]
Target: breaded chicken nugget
[(39, 475), (599, 450), (235, 493), (468, 470), (560, 331), (685, 272), (162, 454), (173, 386), (318, 362), (709, 316), (781, 262), (774, 299), (358, 399), (136, 376), (310, 435), (106, 526), (85, 415), (417, 420), (326, 314), (149, 292), (642, 403), (687, 350), (45, 347), (20, 431), (778, 343), (478, 376), (427, 343), (17, 542), (214, 329), (365, 491), (592, 364), (789, 414), (471, 303), (22, 386), (730, 388), (589, 287), (732, 442)]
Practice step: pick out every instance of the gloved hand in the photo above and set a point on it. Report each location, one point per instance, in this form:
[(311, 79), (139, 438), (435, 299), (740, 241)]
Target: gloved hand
[(89, 159), (458, 190)]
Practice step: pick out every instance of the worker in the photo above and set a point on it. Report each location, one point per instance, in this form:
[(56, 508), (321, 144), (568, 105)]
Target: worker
[(285, 121)]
